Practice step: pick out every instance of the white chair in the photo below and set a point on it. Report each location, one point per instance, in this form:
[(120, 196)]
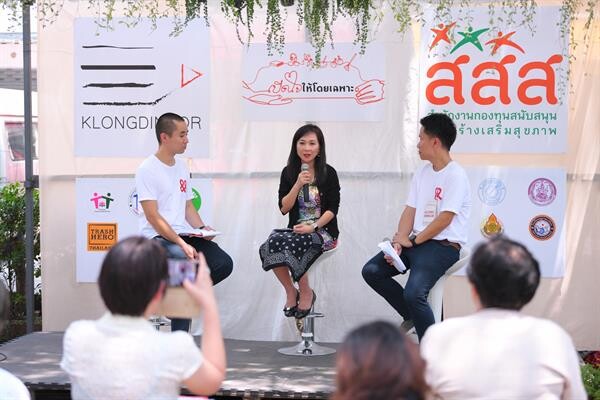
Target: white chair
[(436, 294), (306, 326)]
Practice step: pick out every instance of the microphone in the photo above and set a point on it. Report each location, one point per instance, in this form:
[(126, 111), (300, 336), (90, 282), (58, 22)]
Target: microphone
[(303, 168)]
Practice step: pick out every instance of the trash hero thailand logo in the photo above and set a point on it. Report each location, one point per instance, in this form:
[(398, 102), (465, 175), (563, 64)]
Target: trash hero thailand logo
[(542, 227), (282, 82), (489, 74), (491, 191), (101, 202), (101, 236), (542, 191)]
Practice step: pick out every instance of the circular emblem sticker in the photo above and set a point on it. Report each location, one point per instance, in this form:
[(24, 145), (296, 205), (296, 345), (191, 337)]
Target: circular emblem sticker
[(491, 226), (542, 191), (197, 200), (491, 191), (134, 204), (542, 227)]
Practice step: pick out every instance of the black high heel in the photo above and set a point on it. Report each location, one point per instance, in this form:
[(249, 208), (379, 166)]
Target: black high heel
[(291, 311), (300, 313)]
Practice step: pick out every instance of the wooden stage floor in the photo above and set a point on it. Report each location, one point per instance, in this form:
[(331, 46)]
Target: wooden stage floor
[(254, 369)]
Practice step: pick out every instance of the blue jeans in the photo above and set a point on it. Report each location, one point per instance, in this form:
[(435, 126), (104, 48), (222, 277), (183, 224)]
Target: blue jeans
[(219, 262), (427, 263)]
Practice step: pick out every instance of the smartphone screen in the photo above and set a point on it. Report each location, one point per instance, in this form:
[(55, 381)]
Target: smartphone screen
[(180, 270)]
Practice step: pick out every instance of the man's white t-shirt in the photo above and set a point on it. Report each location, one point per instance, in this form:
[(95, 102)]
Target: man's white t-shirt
[(432, 192), (122, 357), (498, 354), (170, 187)]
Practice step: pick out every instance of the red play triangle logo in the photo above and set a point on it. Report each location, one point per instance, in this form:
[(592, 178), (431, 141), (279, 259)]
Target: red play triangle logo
[(186, 82)]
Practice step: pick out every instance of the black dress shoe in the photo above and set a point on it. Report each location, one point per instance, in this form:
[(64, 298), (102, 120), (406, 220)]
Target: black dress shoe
[(300, 313), (291, 311)]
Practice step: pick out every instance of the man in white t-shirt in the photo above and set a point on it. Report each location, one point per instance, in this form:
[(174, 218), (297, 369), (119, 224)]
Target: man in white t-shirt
[(431, 230), (498, 352), (165, 193)]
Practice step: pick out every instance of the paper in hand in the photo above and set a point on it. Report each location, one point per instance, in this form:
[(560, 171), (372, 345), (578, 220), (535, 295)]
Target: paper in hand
[(387, 249), (201, 233)]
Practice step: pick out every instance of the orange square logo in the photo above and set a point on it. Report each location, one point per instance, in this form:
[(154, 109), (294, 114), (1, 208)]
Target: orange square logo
[(101, 236)]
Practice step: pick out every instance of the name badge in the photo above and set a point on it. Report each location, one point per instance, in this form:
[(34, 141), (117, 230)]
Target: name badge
[(430, 212)]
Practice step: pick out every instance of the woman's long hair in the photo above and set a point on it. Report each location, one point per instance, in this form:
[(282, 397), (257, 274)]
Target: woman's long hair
[(294, 163), (377, 362)]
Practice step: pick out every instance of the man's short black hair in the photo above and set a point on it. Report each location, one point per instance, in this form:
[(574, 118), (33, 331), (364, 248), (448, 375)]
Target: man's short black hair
[(166, 124), (440, 126), (504, 273), (131, 274)]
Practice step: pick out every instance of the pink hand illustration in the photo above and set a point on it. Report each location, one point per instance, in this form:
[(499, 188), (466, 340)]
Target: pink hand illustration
[(269, 99), (369, 92)]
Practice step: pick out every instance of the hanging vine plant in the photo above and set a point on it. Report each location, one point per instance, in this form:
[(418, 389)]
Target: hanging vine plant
[(360, 12), (316, 16), (241, 12)]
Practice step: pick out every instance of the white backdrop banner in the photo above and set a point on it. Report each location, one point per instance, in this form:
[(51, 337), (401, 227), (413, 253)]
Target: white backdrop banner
[(527, 205), (127, 77), (108, 211), (505, 89), (345, 86)]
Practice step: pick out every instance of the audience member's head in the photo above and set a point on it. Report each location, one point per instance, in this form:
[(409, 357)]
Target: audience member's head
[(131, 275), (440, 126), (377, 362), (504, 274), (4, 304)]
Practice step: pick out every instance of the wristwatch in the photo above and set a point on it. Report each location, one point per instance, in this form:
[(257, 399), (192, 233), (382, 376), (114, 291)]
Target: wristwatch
[(413, 242), (315, 226)]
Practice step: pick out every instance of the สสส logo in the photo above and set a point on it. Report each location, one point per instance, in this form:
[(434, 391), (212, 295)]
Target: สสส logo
[(542, 227)]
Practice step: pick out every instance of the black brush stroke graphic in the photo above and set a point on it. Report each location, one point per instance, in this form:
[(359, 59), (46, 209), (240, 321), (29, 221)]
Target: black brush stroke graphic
[(100, 46), (125, 103), (117, 67), (118, 85)]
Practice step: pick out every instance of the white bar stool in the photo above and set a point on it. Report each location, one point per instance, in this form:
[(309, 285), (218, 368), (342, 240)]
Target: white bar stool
[(306, 326)]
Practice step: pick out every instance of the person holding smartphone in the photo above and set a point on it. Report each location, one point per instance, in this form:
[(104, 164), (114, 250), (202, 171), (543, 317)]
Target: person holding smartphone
[(309, 192), (165, 193), (121, 355)]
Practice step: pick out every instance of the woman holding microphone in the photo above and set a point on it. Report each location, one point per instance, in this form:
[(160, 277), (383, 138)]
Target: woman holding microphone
[(309, 192)]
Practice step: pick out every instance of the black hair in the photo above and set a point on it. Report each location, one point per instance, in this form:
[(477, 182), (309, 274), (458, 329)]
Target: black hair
[(131, 274), (166, 124), (294, 163), (505, 274), (440, 126)]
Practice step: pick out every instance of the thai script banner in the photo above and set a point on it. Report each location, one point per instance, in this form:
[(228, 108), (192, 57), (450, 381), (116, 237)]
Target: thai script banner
[(525, 204), (344, 86), (127, 77), (506, 88), (108, 210)]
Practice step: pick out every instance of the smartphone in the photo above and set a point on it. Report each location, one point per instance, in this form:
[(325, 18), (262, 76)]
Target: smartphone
[(180, 270), (282, 230)]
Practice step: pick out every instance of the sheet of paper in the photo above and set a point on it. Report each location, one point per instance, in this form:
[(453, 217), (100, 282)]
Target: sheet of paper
[(389, 250), (201, 233)]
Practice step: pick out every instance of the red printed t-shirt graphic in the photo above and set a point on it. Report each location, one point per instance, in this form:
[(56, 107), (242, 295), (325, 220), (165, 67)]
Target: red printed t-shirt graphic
[(438, 193), (182, 185)]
